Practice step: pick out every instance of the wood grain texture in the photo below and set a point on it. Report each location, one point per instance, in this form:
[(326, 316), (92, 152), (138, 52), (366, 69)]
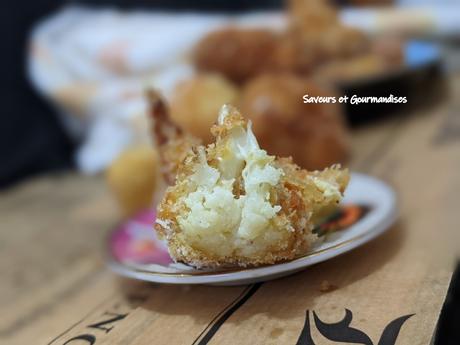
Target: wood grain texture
[(55, 287)]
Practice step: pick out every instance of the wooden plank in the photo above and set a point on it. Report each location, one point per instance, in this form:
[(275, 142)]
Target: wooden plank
[(58, 289)]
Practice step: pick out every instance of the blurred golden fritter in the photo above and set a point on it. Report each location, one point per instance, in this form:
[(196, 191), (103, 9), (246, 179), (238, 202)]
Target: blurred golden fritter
[(311, 15), (391, 49), (385, 54), (238, 54), (315, 36), (303, 53), (356, 68), (232, 204), (314, 134), (341, 42), (132, 178), (196, 102)]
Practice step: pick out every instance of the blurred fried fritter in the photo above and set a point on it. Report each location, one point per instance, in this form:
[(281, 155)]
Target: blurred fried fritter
[(352, 69), (391, 49), (316, 36), (238, 54), (132, 178), (234, 205), (342, 42), (197, 101), (314, 134), (385, 54), (311, 15), (303, 53)]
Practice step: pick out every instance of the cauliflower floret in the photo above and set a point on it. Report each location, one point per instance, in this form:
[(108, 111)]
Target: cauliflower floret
[(213, 209), (233, 204)]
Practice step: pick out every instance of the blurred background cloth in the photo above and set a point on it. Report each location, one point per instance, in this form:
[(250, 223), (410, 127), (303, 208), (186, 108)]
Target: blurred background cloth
[(94, 66)]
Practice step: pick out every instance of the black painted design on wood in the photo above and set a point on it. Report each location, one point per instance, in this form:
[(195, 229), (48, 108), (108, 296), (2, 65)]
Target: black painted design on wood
[(214, 326), (391, 331), (81, 320), (305, 336), (220, 313), (89, 338), (341, 331), (113, 317)]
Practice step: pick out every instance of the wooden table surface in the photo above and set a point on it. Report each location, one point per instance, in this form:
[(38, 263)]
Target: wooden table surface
[(55, 288)]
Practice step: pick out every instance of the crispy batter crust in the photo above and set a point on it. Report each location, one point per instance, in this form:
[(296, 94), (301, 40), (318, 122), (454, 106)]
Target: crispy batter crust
[(173, 144)]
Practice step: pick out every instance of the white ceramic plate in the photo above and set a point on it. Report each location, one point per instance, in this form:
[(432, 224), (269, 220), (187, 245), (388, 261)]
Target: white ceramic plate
[(135, 252)]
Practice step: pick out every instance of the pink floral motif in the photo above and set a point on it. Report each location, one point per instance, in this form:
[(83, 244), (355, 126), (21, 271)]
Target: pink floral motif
[(136, 241)]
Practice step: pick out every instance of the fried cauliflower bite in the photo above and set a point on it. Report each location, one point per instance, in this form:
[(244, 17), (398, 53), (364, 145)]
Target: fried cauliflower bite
[(232, 204)]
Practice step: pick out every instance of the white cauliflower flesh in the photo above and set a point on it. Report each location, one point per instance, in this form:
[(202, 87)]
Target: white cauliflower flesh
[(215, 214)]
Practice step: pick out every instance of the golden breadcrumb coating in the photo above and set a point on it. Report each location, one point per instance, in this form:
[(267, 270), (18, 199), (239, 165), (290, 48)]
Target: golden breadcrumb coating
[(232, 204)]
